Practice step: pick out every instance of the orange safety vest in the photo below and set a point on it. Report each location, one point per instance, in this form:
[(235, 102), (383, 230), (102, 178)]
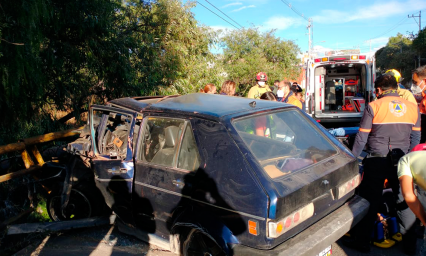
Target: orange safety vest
[(387, 123)]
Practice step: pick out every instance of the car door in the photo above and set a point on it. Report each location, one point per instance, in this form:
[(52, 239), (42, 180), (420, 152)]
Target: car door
[(167, 154), (112, 135)]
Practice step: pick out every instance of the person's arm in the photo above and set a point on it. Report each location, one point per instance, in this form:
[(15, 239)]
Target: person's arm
[(407, 189), (364, 131), (415, 132), (251, 93), (410, 97)]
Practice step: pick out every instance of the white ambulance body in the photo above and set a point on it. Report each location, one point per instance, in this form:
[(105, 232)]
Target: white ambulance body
[(339, 87)]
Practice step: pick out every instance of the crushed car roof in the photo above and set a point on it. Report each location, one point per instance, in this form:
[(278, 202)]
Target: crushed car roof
[(197, 103)]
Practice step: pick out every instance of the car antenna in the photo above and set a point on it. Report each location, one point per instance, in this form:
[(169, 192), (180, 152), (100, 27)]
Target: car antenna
[(252, 104)]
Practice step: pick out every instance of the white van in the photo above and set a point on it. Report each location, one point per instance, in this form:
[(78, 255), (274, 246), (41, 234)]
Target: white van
[(339, 87)]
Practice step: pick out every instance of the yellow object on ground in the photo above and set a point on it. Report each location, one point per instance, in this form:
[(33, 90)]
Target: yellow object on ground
[(387, 243), (397, 237)]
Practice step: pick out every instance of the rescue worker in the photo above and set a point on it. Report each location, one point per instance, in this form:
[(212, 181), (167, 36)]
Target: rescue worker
[(403, 93), (260, 88), (412, 170), (390, 127), (419, 86), (286, 95)]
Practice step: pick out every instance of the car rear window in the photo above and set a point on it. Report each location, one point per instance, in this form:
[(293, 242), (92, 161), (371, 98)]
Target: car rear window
[(284, 142)]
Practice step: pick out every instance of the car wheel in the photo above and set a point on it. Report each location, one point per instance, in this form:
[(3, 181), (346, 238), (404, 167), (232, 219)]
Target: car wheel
[(197, 244), (79, 206)]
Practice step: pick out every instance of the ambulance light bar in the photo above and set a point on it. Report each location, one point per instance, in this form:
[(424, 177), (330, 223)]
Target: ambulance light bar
[(340, 58)]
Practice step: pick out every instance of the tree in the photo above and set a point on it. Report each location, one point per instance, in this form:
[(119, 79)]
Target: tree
[(60, 52), (173, 52), (397, 54), (249, 51), (419, 43)]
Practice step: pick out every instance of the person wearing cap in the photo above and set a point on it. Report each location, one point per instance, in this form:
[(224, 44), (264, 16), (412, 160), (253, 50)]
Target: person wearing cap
[(260, 88), (412, 170), (390, 127), (419, 87), (403, 93)]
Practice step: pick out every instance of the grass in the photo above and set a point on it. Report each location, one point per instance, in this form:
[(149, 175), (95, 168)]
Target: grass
[(40, 213)]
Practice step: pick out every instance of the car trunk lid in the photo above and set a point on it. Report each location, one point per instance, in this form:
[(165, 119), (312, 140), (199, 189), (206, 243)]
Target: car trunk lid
[(312, 184)]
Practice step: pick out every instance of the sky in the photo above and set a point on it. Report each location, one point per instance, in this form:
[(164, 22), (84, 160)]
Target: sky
[(337, 24)]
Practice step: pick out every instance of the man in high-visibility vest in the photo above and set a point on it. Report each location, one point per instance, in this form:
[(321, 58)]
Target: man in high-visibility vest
[(390, 127), (285, 94), (403, 93), (260, 88)]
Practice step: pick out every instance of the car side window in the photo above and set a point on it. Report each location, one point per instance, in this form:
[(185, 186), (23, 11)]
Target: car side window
[(189, 158), (136, 130), (161, 140), (112, 130)]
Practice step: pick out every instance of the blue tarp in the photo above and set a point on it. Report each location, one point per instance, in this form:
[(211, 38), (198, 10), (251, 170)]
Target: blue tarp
[(343, 131)]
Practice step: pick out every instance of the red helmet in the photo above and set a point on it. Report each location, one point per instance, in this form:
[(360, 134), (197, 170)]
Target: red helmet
[(419, 147), (261, 76)]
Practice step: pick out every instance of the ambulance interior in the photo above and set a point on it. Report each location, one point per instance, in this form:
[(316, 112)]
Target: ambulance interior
[(344, 87)]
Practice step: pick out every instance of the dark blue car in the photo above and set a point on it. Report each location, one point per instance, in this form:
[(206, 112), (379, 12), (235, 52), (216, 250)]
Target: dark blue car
[(205, 174)]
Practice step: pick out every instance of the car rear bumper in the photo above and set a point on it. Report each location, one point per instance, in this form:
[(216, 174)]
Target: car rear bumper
[(317, 237)]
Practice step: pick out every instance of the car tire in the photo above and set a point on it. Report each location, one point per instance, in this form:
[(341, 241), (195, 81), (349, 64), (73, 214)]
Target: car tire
[(198, 243), (82, 204)]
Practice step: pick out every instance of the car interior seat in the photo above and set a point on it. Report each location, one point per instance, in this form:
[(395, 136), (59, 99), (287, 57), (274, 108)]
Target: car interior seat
[(166, 154), (330, 93), (188, 156)]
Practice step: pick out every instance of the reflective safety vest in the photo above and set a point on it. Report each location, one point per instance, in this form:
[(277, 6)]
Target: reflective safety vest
[(387, 123)]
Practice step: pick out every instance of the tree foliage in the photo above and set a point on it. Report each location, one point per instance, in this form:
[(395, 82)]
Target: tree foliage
[(397, 54), (61, 53), (419, 43), (249, 51)]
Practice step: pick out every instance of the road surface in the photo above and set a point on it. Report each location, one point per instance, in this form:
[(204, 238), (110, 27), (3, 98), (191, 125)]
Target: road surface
[(106, 241)]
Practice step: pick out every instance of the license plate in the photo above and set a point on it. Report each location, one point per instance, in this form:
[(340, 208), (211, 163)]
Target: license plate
[(325, 252)]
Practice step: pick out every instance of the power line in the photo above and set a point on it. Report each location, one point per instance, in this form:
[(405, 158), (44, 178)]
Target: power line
[(294, 9), (392, 28), (224, 14), (218, 15)]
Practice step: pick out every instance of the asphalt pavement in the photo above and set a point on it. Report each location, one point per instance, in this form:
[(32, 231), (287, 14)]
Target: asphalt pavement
[(107, 240)]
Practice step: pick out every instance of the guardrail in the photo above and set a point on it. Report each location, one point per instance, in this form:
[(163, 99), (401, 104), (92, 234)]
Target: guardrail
[(28, 145)]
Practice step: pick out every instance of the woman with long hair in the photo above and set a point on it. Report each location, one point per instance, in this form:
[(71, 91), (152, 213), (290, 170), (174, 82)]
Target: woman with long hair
[(228, 88), (209, 88)]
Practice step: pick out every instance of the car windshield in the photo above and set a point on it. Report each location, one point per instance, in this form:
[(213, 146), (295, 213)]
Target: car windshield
[(283, 142)]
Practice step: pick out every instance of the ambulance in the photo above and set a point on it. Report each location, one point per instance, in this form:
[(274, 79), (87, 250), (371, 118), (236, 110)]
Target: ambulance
[(338, 87)]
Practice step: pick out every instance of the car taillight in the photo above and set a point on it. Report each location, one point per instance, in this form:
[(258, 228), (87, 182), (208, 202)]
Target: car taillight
[(292, 220), (317, 60), (348, 186), (362, 57)]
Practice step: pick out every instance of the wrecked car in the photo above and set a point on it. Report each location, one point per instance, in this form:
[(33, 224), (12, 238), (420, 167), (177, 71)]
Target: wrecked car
[(205, 174)]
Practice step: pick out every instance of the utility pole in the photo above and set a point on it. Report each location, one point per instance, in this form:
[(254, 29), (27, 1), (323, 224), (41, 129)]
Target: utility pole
[(309, 35), (420, 25)]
